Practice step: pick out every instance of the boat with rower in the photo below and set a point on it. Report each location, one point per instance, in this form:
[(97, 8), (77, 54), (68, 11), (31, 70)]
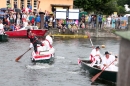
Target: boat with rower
[(22, 33), (106, 75), (43, 56), (3, 37)]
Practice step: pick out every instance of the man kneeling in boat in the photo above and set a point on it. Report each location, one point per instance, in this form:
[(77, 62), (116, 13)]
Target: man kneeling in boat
[(108, 62), (95, 56), (47, 49)]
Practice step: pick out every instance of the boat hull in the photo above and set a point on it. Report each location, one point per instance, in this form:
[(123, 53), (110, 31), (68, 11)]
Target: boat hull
[(110, 76), (42, 58), (23, 33), (3, 38)]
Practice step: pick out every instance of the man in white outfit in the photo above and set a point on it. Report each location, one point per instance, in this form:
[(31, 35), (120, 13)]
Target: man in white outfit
[(1, 27), (95, 56), (49, 38), (47, 48), (108, 62)]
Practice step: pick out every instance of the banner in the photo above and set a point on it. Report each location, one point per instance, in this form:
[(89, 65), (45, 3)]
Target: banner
[(123, 22)]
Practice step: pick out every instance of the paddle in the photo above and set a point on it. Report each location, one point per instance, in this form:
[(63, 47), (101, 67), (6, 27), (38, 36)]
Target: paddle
[(17, 59), (90, 39), (98, 74)]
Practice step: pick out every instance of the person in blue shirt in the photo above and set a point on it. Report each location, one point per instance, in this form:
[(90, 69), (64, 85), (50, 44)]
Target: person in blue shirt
[(100, 21), (37, 19)]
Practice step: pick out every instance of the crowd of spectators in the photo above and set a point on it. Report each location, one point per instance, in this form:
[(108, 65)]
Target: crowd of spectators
[(14, 20)]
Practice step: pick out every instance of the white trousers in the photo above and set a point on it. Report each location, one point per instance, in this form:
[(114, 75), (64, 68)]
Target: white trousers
[(96, 60), (51, 51)]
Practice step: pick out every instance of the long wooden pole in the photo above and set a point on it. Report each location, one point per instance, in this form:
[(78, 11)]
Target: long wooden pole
[(90, 39)]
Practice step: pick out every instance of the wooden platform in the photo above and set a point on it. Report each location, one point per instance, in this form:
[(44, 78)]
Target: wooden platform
[(70, 36)]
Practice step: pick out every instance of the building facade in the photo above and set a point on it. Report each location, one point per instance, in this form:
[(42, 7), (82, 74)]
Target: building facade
[(43, 5)]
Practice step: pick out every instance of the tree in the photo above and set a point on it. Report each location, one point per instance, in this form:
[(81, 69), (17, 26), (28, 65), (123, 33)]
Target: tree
[(123, 2), (97, 6), (121, 10)]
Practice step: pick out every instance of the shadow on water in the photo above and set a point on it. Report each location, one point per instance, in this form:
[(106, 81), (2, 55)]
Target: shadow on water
[(98, 82)]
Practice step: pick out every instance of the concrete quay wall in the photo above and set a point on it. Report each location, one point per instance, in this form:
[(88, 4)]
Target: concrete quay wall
[(84, 33)]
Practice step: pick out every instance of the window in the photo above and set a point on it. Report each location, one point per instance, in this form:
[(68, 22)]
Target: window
[(35, 5), (22, 3), (28, 2), (7, 2)]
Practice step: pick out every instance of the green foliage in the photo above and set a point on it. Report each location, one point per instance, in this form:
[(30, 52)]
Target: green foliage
[(121, 10), (97, 6), (123, 2)]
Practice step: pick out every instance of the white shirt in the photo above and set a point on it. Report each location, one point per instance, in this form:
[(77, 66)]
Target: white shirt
[(1, 28), (109, 19), (25, 24), (51, 19), (46, 45), (94, 53), (49, 38), (109, 60)]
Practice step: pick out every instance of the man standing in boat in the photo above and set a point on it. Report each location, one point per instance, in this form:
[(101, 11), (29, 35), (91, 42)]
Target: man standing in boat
[(34, 41), (95, 56), (1, 27), (107, 60)]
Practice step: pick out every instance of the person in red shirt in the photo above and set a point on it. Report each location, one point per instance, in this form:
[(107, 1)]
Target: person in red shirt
[(33, 40)]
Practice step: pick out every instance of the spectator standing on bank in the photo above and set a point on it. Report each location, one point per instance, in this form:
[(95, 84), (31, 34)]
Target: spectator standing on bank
[(100, 21), (1, 27), (113, 21), (15, 5)]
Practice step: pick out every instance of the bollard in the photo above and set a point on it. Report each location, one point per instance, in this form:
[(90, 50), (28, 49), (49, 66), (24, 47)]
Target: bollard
[(123, 78), (42, 20)]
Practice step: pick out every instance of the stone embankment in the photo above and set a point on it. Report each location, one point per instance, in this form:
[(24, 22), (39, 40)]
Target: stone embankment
[(83, 33)]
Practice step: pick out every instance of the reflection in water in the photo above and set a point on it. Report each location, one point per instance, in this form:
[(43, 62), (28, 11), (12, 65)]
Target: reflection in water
[(64, 72)]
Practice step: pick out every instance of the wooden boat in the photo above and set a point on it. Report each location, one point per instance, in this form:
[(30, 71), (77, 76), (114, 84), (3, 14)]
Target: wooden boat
[(22, 33), (110, 76), (3, 37), (42, 57)]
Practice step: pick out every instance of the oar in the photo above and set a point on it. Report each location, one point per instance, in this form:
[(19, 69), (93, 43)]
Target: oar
[(90, 39), (17, 59), (98, 74)]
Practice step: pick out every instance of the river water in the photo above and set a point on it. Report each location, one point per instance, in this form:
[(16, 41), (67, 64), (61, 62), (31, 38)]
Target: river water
[(63, 72)]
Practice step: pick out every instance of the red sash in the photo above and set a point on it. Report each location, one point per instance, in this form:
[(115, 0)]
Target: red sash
[(49, 43), (92, 58)]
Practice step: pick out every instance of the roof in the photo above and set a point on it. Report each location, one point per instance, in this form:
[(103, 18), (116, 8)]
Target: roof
[(124, 34), (60, 5)]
